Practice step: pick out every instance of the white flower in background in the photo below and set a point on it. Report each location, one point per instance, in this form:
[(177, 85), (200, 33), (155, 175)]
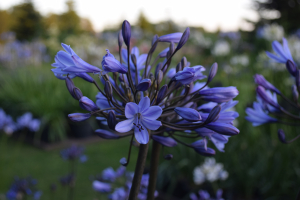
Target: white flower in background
[(221, 48), (271, 32), (294, 46), (242, 60), (200, 39), (210, 171)]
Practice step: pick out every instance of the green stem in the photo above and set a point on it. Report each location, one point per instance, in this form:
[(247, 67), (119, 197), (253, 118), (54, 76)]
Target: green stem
[(156, 147), (139, 169)]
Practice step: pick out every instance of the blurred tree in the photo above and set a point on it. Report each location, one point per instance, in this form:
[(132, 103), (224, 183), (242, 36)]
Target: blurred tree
[(5, 21), (86, 25), (144, 23), (283, 12), (27, 22), (69, 22)]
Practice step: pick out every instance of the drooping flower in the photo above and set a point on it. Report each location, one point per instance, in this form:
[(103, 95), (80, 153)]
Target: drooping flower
[(68, 62), (110, 64), (190, 74), (258, 116), (140, 118), (282, 51)]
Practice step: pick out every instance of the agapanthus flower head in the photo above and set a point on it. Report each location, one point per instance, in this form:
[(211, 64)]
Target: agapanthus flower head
[(154, 99), (105, 183), (23, 188), (204, 195), (73, 153)]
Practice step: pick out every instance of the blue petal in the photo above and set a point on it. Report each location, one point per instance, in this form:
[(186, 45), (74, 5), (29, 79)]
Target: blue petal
[(65, 58), (106, 134), (144, 104), (131, 109), (142, 136), (124, 126), (274, 57), (166, 141), (151, 124), (152, 113), (173, 37), (286, 49)]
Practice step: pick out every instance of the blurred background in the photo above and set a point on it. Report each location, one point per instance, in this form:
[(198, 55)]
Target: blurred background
[(234, 33)]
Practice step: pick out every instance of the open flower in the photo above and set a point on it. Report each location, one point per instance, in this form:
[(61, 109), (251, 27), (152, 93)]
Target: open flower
[(140, 117)]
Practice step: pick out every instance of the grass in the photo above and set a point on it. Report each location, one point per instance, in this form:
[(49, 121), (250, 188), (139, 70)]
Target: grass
[(19, 159)]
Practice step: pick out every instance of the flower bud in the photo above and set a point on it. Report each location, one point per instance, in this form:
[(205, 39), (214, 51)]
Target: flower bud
[(133, 58), (205, 152), (79, 117), (212, 72), (154, 45), (183, 62), (123, 161), (70, 85), (108, 89), (162, 93), (160, 76), (213, 115), (222, 128), (281, 136), (77, 93), (295, 93), (183, 39), (111, 120), (188, 114), (87, 104), (158, 68), (126, 32), (166, 141), (144, 85), (120, 39), (168, 157), (179, 67), (106, 134), (173, 37), (163, 53), (291, 67), (172, 49)]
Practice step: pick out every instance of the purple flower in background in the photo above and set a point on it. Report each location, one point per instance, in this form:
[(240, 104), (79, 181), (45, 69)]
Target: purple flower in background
[(282, 51), (23, 187), (26, 121), (258, 116), (140, 118), (73, 153), (101, 187)]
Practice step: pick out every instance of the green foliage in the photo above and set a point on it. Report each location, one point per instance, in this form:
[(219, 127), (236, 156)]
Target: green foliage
[(37, 90)]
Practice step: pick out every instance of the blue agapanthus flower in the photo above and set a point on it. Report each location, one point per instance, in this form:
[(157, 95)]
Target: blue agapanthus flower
[(23, 188), (140, 118), (73, 153), (283, 52), (204, 195)]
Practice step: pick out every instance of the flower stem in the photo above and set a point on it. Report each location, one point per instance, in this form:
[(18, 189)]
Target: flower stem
[(156, 147), (139, 169)]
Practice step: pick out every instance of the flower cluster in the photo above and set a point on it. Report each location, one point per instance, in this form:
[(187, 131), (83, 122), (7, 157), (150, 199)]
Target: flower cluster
[(26, 121), (112, 183), (210, 171), (204, 195), (267, 103), (152, 100), (73, 153), (23, 189)]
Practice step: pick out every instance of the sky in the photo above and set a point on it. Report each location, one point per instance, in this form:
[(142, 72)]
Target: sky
[(227, 15)]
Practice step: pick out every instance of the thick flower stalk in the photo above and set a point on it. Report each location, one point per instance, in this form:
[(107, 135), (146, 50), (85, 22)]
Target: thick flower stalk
[(267, 109), (145, 99)]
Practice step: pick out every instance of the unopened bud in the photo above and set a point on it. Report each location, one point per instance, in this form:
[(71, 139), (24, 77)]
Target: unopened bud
[(184, 38), (168, 156), (212, 72), (126, 32), (111, 120), (123, 161), (281, 136), (108, 89), (291, 67), (160, 76), (158, 67), (87, 104), (213, 115), (133, 58), (70, 85), (154, 44), (143, 85), (183, 62), (77, 93), (161, 93), (172, 49), (179, 67)]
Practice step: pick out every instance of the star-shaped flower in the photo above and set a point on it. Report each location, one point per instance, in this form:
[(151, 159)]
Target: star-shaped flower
[(140, 117)]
